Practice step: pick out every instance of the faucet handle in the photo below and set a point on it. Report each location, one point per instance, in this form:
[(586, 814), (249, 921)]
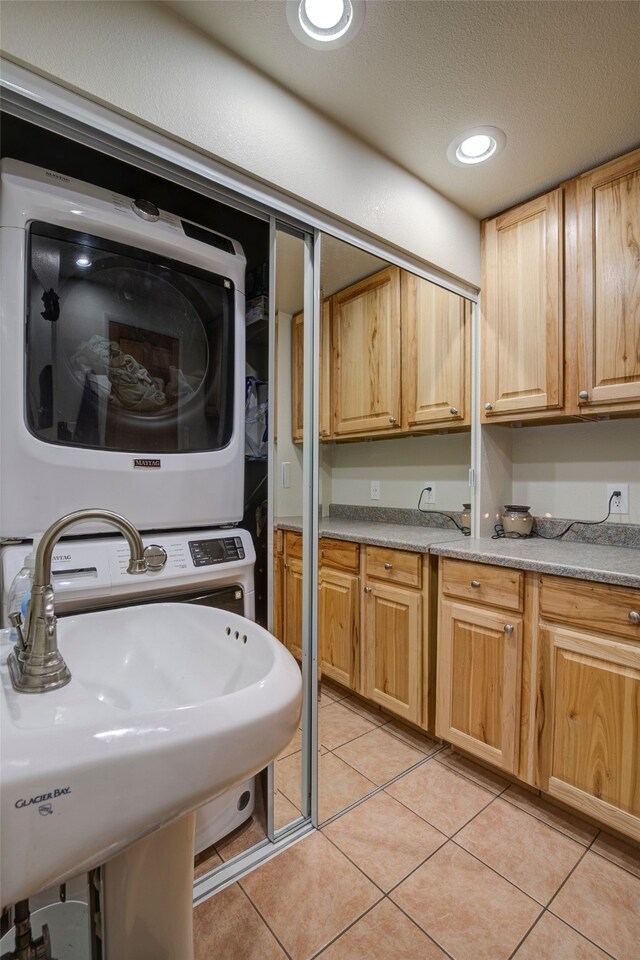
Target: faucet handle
[(16, 621)]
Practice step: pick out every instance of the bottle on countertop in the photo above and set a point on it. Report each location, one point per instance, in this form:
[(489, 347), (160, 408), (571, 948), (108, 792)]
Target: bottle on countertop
[(20, 589)]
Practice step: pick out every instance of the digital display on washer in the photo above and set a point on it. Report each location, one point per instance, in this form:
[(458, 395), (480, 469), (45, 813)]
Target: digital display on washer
[(207, 552)]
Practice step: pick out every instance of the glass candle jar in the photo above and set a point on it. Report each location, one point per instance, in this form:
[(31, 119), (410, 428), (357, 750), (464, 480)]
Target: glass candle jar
[(516, 520)]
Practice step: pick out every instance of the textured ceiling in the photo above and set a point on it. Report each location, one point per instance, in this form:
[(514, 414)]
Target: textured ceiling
[(562, 79)]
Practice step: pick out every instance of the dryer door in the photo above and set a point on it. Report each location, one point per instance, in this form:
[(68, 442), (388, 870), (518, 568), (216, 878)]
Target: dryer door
[(126, 350)]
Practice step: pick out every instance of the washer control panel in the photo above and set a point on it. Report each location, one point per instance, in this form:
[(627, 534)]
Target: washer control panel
[(218, 550)]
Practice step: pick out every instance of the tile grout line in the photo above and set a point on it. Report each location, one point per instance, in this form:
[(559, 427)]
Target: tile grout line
[(442, 845), (346, 930), (373, 793), (416, 924), (553, 826), (276, 938), (562, 919)]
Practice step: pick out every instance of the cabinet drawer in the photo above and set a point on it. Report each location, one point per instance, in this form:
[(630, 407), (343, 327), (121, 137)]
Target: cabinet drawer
[(293, 543), (480, 582), (597, 607), (340, 554), (394, 566)]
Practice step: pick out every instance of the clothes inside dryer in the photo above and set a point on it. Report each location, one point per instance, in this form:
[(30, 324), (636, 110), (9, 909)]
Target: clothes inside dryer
[(125, 349)]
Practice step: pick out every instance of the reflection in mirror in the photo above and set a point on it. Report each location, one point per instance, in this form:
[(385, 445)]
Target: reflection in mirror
[(290, 799), (395, 449)]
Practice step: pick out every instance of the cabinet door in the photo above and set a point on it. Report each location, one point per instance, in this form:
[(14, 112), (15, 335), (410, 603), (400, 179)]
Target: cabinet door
[(435, 355), (293, 606), (393, 649), (297, 374), (589, 723), (339, 626), (365, 352), (478, 685), (608, 291), (522, 297)]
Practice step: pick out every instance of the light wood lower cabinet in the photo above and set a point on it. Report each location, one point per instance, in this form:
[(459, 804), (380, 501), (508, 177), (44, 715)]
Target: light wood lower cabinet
[(590, 732), (393, 635), (546, 688), (479, 664), (339, 626), (393, 643), (373, 635), (293, 607)]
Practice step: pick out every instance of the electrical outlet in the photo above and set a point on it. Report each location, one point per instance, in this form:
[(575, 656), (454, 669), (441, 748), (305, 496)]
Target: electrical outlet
[(375, 489), (618, 504), (285, 476), (429, 492)]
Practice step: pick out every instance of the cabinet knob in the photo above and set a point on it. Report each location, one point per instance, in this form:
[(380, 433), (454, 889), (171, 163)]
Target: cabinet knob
[(488, 406), (475, 584), (392, 420), (453, 411), (286, 566), (324, 433), (583, 395), (367, 589), (508, 628), (388, 566), (634, 616)]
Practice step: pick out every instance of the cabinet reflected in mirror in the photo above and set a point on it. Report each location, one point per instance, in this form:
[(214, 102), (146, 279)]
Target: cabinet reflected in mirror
[(394, 419)]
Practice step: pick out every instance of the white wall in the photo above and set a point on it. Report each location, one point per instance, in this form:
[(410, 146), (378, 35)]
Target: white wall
[(563, 470), (403, 466), (142, 60)]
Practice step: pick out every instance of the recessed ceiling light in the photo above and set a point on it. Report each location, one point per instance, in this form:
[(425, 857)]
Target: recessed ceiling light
[(83, 260), (325, 24), (475, 146)]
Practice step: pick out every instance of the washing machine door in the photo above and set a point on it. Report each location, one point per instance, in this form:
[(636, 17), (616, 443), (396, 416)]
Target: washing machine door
[(126, 350)]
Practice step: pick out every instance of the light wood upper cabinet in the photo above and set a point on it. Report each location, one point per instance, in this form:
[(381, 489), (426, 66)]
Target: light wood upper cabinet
[(365, 356), (522, 330), (435, 354), (297, 374), (608, 285)]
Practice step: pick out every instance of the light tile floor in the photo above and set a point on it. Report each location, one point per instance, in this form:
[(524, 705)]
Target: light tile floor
[(447, 860)]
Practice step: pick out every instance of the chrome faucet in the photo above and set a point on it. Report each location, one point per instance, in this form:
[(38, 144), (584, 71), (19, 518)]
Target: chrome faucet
[(36, 664)]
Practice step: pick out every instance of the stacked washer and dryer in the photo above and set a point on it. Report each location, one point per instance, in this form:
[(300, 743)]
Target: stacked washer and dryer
[(122, 387)]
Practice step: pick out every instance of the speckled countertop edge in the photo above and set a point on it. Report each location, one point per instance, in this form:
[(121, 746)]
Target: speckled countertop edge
[(580, 561), (396, 536)]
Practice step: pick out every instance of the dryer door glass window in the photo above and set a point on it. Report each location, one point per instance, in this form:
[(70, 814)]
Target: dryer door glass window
[(126, 350)]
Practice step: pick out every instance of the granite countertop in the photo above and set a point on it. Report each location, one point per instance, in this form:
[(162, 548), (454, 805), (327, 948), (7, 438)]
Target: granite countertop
[(583, 561), (396, 536)]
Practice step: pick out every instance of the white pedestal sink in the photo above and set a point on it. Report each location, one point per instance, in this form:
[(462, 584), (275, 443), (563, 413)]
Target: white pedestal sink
[(168, 706)]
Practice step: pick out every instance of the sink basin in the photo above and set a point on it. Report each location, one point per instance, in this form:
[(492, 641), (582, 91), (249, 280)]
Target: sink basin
[(169, 705)]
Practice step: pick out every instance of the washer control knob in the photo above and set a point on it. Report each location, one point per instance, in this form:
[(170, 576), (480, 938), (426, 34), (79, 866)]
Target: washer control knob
[(146, 210), (155, 556)]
